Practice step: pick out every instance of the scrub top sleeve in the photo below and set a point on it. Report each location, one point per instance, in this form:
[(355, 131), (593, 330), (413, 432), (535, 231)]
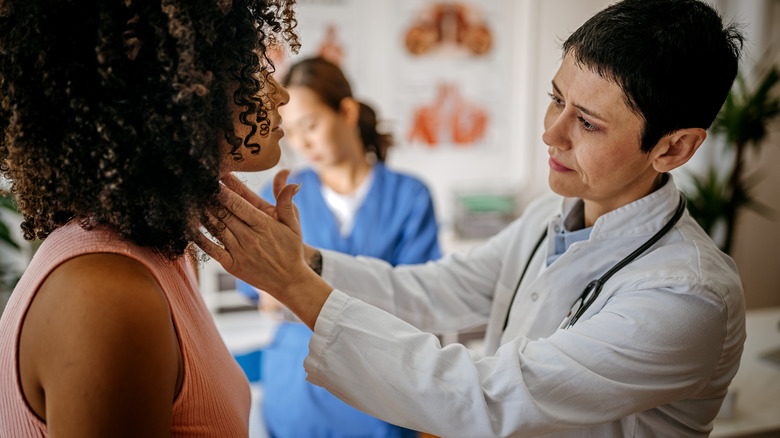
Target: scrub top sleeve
[(618, 362), (419, 240)]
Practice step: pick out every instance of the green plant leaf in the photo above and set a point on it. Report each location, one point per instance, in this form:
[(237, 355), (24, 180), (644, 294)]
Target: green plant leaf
[(7, 203), (708, 199), (5, 236), (745, 115)]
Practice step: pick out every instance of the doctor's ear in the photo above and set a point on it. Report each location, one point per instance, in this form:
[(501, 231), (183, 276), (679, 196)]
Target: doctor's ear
[(350, 109), (675, 149)]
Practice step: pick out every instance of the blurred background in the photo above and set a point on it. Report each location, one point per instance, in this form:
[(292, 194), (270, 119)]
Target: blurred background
[(462, 85)]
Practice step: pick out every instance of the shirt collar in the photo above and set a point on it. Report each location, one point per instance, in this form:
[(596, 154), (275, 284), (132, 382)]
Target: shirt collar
[(641, 217)]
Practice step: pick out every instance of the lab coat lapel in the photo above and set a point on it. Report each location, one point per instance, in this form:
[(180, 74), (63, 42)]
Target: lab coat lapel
[(549, 297)]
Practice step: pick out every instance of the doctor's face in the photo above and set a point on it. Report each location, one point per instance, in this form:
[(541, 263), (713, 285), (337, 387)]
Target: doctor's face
[(314, 129), (593, 139)]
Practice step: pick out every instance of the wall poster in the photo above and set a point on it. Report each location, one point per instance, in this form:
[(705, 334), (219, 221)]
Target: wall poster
[(452, 73)]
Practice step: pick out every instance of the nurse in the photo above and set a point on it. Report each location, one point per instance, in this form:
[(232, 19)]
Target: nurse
[(652, 354), (349, 202)]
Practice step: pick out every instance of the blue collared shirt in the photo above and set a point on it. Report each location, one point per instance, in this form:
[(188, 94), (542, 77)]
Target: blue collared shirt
[(564, 237)]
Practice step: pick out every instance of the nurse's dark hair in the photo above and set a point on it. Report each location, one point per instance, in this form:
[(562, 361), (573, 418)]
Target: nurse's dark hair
[(111, 112), (674, 60), (328, 81)]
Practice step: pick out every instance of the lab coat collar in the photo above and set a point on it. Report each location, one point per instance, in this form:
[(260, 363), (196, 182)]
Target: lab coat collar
[(642, 217)]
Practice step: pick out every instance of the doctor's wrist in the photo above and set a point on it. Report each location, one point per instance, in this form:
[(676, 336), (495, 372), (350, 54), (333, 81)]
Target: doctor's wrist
[(314, 261)]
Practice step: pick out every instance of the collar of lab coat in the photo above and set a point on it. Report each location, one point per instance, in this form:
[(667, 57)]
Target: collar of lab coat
[(642, 217)]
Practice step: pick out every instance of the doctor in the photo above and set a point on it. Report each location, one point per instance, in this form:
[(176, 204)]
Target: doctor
[(649, 350)]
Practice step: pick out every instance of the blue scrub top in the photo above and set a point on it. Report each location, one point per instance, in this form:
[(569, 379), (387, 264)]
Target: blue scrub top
[(396, 223)]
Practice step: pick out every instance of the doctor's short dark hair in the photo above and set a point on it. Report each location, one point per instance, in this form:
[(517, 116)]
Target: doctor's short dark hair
[(674, 60), (112, 112)]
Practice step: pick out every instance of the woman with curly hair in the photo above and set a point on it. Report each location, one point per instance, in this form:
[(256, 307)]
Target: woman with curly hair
[(117, 121)]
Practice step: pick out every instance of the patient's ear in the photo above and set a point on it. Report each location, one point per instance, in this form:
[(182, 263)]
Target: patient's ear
[(675, 149)]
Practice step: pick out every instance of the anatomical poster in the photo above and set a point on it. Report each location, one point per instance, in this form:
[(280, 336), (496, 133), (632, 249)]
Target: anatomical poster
[(453, 73)]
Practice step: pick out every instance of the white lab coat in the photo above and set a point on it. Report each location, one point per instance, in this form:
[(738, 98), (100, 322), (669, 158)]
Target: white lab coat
[(653, 356)]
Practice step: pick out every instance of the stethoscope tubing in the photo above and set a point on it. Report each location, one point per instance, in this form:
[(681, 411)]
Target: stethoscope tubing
[(593, 289)]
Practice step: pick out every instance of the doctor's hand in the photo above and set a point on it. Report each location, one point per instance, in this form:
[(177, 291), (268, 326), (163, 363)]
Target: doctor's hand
[(279, 183), (261, 244)]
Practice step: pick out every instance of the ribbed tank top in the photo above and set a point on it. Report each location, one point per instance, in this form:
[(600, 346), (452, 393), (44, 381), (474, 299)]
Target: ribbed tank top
[(214, 398)]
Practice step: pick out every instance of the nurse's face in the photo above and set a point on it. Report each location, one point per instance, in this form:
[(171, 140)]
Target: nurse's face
[(316, 130), (593, 139), (269, 152)]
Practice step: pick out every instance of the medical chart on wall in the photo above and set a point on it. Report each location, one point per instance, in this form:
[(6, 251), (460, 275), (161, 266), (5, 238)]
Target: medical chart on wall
[(452, 73), (452, 102), (449, 64)]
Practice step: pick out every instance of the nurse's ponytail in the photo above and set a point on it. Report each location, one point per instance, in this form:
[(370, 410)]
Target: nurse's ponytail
[(374, 142)]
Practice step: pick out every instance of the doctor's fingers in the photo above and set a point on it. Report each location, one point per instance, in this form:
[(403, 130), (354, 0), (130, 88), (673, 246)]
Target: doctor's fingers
[(242, 246), (268, 256), (286, 210), (233, 183), (242, 209), (280, 180), (215, 251), (215, 222), (218, 251), (248, 232)]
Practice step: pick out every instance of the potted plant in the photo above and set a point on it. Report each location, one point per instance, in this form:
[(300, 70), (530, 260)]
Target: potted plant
[(715, 200), (8, 277)]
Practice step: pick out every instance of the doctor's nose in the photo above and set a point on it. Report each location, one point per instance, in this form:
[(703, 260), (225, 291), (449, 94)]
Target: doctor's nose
[(555, 133)]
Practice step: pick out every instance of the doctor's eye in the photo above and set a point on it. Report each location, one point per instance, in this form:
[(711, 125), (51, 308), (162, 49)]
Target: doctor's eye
[(556, 100), (587, 125)]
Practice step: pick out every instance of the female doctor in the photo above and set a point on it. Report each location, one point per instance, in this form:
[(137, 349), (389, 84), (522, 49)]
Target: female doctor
[(343, 207), (610, 312)]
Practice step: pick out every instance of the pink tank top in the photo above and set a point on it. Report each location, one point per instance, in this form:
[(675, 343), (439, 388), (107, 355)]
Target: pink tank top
[(214, 398)]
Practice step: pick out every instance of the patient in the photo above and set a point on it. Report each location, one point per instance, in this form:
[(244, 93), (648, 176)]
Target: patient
[(117, 121)]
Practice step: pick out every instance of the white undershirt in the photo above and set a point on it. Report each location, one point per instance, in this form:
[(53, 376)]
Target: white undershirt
[(345, 207)]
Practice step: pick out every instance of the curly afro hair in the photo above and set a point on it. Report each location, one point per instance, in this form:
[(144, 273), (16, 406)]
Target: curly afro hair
[(112, 112)]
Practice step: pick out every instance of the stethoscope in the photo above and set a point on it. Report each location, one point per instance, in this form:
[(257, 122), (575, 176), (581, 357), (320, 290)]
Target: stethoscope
[(593, 289)]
